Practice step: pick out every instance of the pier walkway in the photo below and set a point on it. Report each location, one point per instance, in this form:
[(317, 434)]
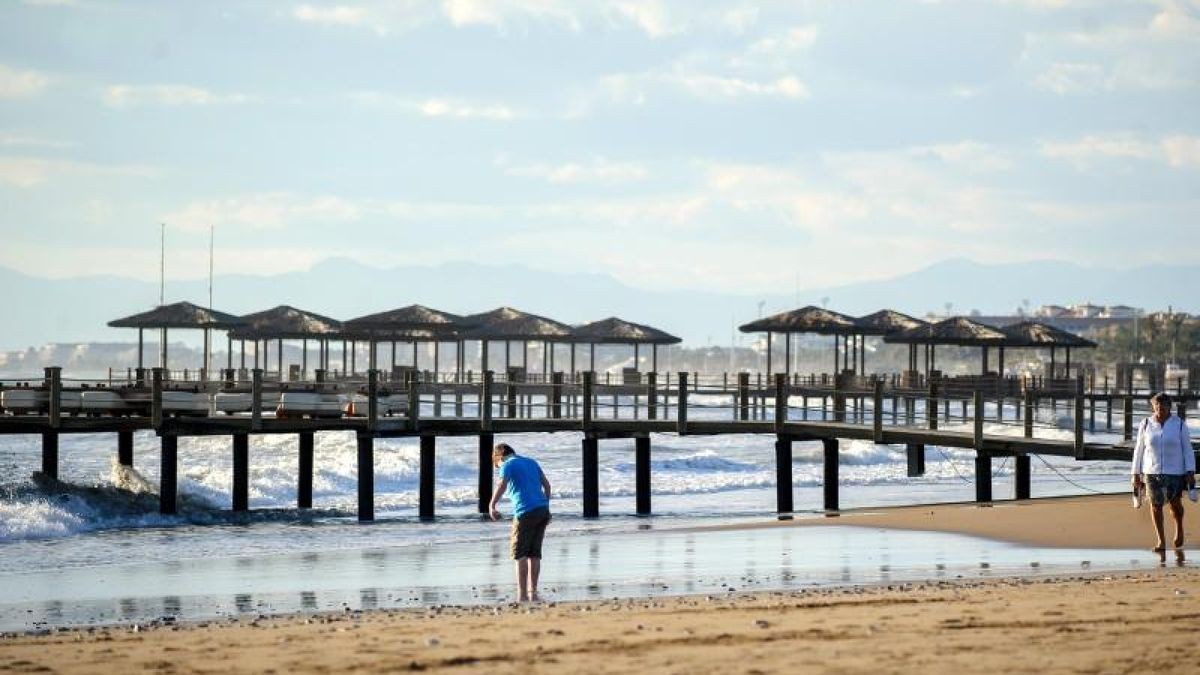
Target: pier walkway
[(994, 417)]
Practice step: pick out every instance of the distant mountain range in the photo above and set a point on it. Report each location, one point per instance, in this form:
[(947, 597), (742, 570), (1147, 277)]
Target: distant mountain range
[(36, 311)]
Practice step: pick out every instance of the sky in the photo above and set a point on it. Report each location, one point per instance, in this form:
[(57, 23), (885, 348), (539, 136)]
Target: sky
[(727, 146)]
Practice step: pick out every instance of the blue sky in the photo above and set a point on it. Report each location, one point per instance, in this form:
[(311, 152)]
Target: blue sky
[(742, 147)]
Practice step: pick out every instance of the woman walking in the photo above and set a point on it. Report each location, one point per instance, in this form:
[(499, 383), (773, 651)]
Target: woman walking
[(1165, 465)]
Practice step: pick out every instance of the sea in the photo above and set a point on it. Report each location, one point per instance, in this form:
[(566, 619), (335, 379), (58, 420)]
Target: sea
[(93, 549)]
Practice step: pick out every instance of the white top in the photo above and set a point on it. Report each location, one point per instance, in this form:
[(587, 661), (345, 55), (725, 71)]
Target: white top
[(1163, 448)]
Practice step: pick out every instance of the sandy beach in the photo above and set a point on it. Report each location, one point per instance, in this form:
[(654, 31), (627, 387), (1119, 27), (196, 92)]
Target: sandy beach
[(1095, 521), (1088, 622)]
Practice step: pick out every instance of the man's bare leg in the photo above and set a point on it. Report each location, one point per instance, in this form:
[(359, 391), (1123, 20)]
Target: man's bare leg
[(522, 565), (1156, 515), (535, 569), (1177, 514)]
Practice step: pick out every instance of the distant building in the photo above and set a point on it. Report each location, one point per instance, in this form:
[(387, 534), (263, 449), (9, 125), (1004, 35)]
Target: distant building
[(1120, 312), (1050, 311)]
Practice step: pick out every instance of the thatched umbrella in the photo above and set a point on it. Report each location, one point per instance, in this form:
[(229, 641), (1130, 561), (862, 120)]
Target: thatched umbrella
[(888, 322), (511, 325), (957, 330), (615, 331), (414, 324), (177, 315), (1039, 335), (816, 320), (285, 323)]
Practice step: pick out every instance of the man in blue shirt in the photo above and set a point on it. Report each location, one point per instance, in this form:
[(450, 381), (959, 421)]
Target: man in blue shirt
[(529, 491)]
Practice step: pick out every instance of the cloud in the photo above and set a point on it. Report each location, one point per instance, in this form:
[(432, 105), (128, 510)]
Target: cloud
[(969, 155), (169, 95), (651, 17), (1177, 151), (436, 107), (598, 170), (634, 89), (341, 15), (502, 14), (29, 172), (267, 211), (1073, 78), (15, 140), (18, 84), (795, 39)]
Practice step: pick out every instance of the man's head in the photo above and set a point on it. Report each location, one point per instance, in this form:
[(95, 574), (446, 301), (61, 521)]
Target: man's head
[(501, 452)]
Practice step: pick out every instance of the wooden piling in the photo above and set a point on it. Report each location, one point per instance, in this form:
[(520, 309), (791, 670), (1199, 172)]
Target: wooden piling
[(54, 396), (931, 405), (1021, 477), (414, 401), (830, 449), (781, 401), (241, 472), (681, 404), (783, 474), (915, 458), (1127, 417), (652, 395), (366, 477), (373, 399), (50, 454), (168, 482), (556, 395), (256, 392), (156, 388), (427, 496), (1027, 420), (978, 421), (125, 448), (591, 477), (743, 397), (877, 411), (485, 401), (484, 491), (983, 476), (304, 479), (642, 474), (1079, 447)]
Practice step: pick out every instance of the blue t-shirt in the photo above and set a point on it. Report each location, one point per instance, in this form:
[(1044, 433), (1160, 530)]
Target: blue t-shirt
[(524, 478)]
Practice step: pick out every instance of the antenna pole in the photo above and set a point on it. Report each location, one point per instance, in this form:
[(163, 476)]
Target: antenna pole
[(210, 265), (162, 264)]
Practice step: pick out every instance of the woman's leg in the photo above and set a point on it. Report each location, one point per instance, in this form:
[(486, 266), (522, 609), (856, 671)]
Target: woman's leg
[(1156, 516), (1177, 514)]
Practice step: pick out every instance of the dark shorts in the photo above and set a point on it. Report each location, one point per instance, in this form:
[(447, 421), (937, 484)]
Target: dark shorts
[(1164, 487), (528, 531)]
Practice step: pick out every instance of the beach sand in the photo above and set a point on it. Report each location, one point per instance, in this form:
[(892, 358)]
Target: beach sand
[(1095, 521), (1111, 622)]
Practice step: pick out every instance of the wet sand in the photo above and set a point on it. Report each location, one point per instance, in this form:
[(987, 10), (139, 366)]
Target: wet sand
[(1110, 623)]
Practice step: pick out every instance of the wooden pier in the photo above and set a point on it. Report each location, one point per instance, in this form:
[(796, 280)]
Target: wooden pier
[(909, 411)]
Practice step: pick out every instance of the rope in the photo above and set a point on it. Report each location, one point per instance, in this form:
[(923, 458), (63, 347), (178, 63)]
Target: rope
[(952, 464), (1059, 474)]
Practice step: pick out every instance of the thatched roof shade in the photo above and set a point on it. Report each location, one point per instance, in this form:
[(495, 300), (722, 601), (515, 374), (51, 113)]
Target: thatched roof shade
[(1034, 334), (887, 322), (286, 323), (410, 318), (506, 323), (804, 320), (179, 315), (618, 331), (953, 331)]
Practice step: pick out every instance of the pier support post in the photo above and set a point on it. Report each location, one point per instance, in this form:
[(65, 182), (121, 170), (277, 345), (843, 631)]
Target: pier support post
[(305, 478), (486, 441), (125, 448), (591, 477), (50, 454), (428, 473), (983, 476), (366, 477), (831, 473), (1127, 417), (783, 474), (642, 474), (1021, 479), (915, 454), (241, 472), (168, 487), (743, 396)]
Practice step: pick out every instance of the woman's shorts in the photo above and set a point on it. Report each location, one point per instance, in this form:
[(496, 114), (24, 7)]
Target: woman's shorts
[(528, 531), (1164, 487)]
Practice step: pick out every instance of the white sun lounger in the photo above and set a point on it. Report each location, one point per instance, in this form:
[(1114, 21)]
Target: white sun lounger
[(312, 404), (185, 403), (241, 402), (106, 401), (25, 401)]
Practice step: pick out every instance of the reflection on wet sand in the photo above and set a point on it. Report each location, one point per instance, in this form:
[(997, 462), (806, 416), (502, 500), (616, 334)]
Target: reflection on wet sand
[(644, 563)]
